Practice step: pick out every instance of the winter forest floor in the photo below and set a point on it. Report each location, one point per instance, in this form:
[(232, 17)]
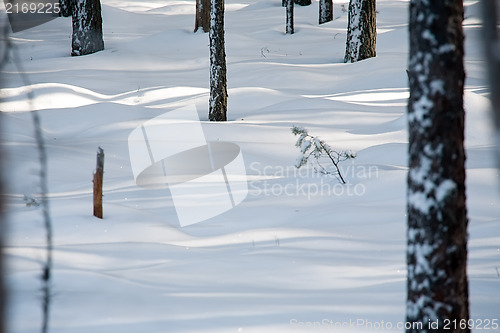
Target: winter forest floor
[(300, 249)]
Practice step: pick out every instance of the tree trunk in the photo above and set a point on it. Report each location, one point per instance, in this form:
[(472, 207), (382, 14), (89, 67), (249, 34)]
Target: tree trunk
[(492, 41), (289, 17), (98, 180), (325, 11), (303, 2), (361, 31), (202, 18), (218, 81), (87, 27), (437, 218), (298, 2), (65, 6)]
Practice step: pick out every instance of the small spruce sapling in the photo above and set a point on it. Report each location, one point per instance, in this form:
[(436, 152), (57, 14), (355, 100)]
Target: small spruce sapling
[(313, 146)]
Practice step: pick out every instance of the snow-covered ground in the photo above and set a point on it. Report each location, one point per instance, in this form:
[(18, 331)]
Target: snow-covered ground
[(300, 249)]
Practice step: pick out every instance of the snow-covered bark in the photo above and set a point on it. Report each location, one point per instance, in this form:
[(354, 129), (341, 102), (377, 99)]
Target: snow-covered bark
[(218, 81), (437, 217), (492, 46), (325, 11), (202, 18), (87, 27), (289, 17), (361, 31)]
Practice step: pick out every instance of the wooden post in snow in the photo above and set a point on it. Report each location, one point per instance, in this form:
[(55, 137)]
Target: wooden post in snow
[(98, 176)]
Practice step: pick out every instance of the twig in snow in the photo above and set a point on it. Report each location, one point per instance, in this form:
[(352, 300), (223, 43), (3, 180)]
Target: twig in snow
[(313, 146)]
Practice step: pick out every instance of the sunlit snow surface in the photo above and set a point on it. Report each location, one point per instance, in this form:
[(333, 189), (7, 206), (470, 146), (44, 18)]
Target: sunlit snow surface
[(301, 249)]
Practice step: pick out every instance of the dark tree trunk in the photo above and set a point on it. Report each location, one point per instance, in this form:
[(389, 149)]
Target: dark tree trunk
[(87, 27), (202, 19), (298, 2), (289, 17), (437, 284), (65, 6), (492, 40), (325, 11), (218, 81), (303, 2), (361, 30)]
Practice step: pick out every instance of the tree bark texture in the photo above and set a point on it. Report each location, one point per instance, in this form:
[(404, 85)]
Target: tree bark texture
[(303, 2), (437, 287), (65, 6), (202, 19), (361, 31), (218, 80), (289, 18), (325, 11), (298, 2), (87, 25)]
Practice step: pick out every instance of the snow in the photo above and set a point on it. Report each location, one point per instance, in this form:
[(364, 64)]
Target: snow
[(444, 189), (300, 248), (430, 37), (437, 87)]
